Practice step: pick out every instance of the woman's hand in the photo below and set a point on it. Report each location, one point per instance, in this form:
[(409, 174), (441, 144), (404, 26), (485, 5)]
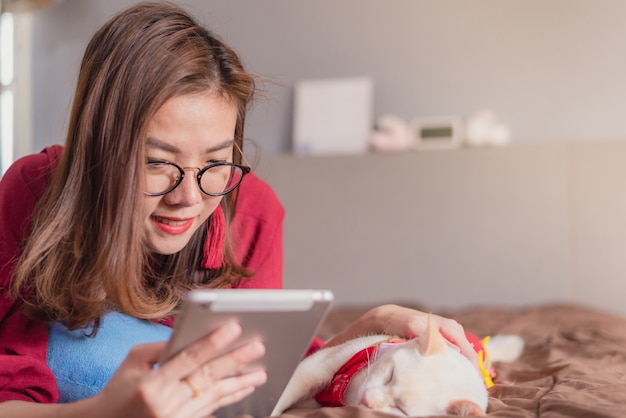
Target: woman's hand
[(407, 323), (191, 384)]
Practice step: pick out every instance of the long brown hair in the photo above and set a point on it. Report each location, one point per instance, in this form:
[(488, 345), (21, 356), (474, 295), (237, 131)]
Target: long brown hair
[(85, 255)]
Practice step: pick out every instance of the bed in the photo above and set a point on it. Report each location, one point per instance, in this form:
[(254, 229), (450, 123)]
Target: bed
[(574, 363)]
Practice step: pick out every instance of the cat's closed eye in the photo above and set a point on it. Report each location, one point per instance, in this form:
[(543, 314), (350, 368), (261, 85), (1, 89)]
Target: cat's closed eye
[(399, 410), (390, 378)]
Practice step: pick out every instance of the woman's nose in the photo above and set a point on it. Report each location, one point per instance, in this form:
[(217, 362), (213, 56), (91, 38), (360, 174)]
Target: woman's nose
[(187, 193)]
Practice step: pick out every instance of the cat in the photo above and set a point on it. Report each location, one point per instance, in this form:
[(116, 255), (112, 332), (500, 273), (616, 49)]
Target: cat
[(419, 377)]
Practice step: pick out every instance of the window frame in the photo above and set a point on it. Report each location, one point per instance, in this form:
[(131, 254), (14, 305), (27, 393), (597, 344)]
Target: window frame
[(17, 139)]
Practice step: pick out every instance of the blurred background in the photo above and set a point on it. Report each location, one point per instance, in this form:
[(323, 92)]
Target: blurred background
[(538, 219), (551, 70)]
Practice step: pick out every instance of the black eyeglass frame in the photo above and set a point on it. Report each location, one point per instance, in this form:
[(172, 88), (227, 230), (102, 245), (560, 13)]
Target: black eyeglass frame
[(244, 170)]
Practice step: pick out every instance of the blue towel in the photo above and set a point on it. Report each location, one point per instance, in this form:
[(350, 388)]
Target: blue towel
[(83, 365)]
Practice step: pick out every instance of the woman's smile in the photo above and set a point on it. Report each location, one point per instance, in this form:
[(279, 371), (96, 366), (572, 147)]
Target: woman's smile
[(173, 226)]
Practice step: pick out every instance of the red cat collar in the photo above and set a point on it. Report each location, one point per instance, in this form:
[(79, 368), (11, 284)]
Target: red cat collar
[(333, 394)]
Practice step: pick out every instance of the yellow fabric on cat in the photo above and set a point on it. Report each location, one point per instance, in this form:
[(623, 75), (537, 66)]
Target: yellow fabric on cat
[(484, 362)]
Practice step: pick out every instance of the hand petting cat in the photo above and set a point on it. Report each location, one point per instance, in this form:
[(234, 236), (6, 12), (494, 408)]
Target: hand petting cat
[(420, 374), (408, 323)]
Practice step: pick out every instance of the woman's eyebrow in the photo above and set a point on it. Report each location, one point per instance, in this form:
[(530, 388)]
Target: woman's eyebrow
[(226, 144), (155, 143)]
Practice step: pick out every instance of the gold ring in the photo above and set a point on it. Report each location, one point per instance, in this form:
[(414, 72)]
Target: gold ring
[(195, 390)]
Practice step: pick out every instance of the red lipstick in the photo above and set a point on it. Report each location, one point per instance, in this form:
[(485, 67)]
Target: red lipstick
[(172, 226)]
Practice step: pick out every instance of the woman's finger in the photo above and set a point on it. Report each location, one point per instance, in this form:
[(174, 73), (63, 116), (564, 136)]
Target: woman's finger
[(454, 332), (198, 353), (229, 364), (224, 377), (449, 328), (221, 393), (146, 354)]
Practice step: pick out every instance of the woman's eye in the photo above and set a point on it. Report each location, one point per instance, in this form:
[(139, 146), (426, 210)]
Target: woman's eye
[(158, 166)]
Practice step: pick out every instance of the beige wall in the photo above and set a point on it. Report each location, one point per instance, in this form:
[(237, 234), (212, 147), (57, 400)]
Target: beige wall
[(510, 226), (517, 225), (552, 70)]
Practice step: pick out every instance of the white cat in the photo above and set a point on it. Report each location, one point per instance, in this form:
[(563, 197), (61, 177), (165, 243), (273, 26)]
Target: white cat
[(420, 377)]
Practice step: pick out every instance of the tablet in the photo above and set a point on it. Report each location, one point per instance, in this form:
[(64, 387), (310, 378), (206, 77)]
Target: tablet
[(284, 320)]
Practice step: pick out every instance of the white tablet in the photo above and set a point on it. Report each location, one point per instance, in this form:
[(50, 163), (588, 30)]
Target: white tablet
[(284, 320)]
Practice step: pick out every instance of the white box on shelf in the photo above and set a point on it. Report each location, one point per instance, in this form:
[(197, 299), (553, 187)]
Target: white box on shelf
[(333, 115)]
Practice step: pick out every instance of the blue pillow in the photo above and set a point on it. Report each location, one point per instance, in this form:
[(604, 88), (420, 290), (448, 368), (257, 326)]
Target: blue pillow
[(83, 365)]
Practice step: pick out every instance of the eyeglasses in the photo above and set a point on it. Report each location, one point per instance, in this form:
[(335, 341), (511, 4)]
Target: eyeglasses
[(216, 179)]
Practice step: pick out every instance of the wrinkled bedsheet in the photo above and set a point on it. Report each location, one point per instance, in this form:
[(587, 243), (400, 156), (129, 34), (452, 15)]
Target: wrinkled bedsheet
[(574, 363)]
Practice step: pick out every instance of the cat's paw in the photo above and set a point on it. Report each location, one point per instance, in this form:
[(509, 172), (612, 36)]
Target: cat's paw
[(505, 348)]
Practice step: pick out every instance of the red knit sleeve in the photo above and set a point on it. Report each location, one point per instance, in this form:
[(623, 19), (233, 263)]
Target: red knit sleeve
[(258, 234), (24, 374)]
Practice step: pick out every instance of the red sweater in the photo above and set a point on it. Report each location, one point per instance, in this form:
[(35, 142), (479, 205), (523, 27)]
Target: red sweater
[(23, 342)]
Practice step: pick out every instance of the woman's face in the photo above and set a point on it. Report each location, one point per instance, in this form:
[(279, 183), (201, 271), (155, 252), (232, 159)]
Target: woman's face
[(191, 131)]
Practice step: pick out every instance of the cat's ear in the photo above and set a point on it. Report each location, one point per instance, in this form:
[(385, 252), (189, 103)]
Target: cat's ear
[(434, 342), (464, 408)]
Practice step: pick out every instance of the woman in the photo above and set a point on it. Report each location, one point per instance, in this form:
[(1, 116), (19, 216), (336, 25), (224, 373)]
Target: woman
[(150, 197)]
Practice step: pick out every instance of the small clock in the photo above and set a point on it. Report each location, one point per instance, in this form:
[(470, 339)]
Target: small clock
[(440, 132)]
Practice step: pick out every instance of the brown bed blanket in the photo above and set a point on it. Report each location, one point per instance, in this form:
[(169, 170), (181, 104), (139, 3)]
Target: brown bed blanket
[(574, 363)]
